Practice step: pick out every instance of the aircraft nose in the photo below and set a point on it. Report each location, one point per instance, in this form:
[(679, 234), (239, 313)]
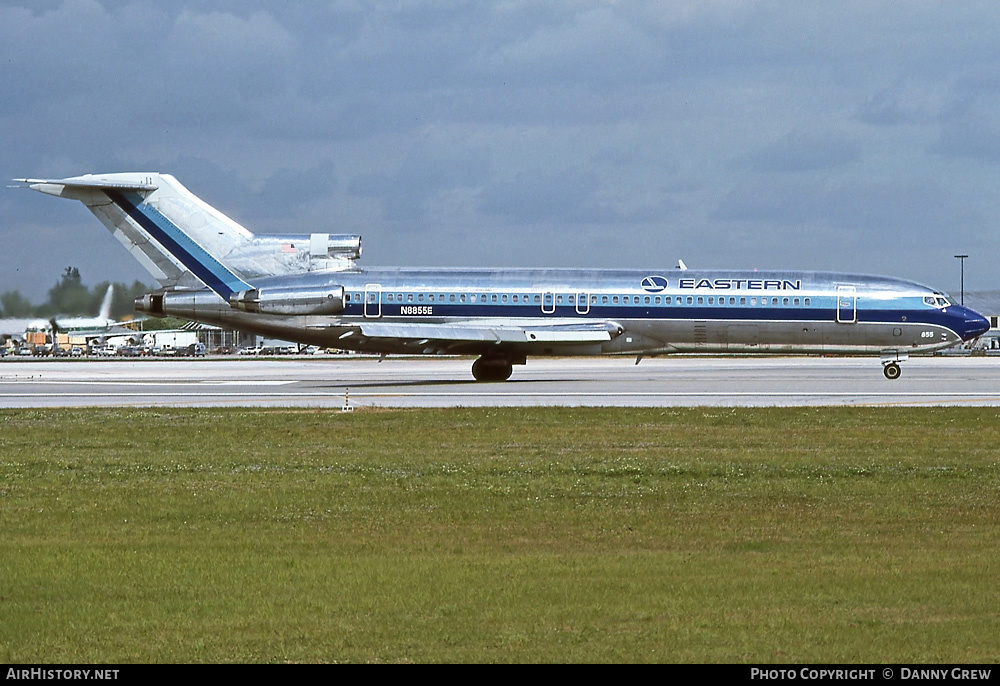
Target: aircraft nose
[(972, 324)]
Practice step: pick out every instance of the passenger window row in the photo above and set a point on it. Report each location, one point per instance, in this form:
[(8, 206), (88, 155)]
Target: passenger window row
[(562, 298)]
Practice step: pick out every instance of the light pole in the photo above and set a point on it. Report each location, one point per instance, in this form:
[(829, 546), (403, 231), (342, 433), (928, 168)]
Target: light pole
[(961, 258)]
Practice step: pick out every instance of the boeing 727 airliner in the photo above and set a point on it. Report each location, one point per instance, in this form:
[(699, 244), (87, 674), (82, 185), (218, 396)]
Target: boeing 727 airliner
[(308, 288)]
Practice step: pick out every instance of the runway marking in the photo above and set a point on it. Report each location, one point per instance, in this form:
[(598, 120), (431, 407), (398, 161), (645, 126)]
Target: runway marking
[(131, 383), (529, 394)]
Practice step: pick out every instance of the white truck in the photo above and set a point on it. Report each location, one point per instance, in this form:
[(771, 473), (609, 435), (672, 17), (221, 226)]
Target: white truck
[(170, 341)]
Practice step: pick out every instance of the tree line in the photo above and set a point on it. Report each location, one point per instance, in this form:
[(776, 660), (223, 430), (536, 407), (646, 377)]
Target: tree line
[(70, 297)]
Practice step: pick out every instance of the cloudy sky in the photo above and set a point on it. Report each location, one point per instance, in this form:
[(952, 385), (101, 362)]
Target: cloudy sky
[(850, 136)]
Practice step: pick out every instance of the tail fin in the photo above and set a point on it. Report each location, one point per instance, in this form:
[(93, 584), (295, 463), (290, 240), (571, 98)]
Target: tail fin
[(105, 311), (173, 234), (184, 242)]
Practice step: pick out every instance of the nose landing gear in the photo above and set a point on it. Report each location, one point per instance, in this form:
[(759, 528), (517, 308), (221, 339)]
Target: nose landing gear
[(891, 370), (890, 363)]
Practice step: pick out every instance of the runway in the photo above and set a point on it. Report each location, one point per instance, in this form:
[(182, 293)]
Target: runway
[(330, 381)]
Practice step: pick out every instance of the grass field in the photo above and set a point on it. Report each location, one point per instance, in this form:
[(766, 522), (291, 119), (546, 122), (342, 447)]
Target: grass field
[(500, 535)]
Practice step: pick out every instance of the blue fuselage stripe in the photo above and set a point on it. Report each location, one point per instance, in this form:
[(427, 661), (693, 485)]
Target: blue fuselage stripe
[(748, 314)]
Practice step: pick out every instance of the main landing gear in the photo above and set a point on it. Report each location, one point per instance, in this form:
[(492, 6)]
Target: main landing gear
[(492, 369)]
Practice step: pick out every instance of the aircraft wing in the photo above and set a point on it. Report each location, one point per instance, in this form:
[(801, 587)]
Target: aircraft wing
[(496, 332)]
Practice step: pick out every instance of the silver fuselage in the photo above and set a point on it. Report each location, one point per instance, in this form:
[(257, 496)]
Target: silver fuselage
[(658, 311)]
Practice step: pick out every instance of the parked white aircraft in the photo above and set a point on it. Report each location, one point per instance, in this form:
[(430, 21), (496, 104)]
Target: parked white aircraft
[(102, 323)]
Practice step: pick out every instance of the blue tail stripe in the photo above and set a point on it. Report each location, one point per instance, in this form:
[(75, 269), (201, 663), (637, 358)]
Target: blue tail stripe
[(212, 272)]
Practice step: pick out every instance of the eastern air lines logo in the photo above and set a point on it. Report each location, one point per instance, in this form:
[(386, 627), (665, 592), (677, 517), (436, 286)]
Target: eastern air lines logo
[(654, 284)]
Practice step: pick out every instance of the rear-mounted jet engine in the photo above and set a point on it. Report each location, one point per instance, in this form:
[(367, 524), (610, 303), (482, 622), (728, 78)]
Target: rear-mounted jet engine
[(290, 301)]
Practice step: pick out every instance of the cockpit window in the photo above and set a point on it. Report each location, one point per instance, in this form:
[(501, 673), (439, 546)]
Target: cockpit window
[(936, 301)]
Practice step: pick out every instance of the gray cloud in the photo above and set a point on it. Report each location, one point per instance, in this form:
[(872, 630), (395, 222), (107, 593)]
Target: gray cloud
[(802, 152), (970, 126), (566, 133)]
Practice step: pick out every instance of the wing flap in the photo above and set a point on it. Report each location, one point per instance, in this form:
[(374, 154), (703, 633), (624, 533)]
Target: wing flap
[(468, 332)]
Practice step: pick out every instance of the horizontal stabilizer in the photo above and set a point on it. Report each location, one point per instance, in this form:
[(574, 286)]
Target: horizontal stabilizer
[(87, 181)]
